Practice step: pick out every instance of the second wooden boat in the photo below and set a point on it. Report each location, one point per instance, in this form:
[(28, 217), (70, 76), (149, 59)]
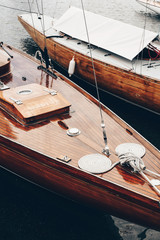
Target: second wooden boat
[(123, 65)]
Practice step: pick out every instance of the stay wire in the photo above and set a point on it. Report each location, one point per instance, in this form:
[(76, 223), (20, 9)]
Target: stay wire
[(95, 78), (96, 84), (144, 31), (38, 8), (43, 29), (142, 39), (17, 9), (43, 24), (41, 20), (32, 19)]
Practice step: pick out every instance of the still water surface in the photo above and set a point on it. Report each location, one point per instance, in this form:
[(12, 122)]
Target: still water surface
[(27, 212)]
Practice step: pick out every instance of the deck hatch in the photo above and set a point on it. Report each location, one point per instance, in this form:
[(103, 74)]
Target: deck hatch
[(37, 103)]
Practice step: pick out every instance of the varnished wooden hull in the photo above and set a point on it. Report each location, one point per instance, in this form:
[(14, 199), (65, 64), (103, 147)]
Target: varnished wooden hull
[(32, 152), (68, 182), (138, 89)]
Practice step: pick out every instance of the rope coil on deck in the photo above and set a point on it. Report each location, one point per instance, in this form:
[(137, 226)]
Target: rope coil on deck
[(136, 163), (129, 159)]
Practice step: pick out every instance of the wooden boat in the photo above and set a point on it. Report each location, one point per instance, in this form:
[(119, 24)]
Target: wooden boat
[(51, 135), (153, 5), (122, 65)]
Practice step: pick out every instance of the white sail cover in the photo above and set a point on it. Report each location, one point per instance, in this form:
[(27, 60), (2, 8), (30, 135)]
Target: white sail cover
[(117, 37)]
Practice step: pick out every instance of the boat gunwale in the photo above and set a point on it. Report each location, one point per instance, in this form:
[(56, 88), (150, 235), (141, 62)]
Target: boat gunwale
[(61, 166), (130, 72), (148, 87)]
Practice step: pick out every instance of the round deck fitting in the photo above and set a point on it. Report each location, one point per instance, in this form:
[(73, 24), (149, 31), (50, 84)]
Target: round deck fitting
[(73, 132), (137, 149), (95, 163), (25, 91)]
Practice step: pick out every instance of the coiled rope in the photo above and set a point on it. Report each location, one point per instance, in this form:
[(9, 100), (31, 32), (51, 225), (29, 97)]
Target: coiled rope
[(137, 165)]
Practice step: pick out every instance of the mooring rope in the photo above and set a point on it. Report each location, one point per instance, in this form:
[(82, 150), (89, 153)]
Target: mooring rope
[(137, 165), (129, 159)]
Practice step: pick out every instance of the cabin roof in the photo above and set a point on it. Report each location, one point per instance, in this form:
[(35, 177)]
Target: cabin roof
[(117, 37)]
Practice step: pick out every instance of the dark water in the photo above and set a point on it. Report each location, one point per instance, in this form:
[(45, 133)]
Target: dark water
[(28, 212)]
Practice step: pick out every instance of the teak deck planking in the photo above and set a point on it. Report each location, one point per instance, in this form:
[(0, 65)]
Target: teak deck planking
[(32, 151), (136, 88)]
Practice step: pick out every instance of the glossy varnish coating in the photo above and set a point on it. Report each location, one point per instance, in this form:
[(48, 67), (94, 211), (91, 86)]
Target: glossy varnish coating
[(32, 151), (5, 66), (36, 102), (136, 88)]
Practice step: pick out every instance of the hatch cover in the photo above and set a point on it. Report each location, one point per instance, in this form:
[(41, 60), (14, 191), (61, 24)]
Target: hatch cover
[(33, 102)]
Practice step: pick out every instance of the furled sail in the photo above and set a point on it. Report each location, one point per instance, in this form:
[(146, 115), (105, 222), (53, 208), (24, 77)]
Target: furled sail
[(117, 37)]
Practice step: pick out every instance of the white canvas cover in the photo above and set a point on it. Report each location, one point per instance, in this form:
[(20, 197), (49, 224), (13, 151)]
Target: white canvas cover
[(117, 37)]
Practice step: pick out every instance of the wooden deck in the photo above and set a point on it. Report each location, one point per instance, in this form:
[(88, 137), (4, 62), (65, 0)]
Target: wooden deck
[(33, 151)]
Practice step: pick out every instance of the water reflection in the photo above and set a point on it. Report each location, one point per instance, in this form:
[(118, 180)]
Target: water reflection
[(28, 46), (52, 217)]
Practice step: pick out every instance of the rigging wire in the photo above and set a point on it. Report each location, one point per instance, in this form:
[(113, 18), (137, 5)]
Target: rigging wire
[(43, 25), (38, 8), (32, 20), (106, 149), (41, 14), (38, 13), (140, 56), (17, 9), (46, 57), (143, 37)]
